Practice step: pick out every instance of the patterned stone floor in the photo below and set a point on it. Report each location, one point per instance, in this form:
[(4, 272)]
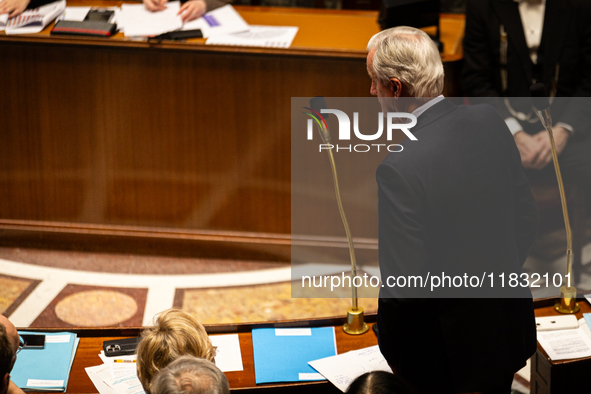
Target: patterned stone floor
[(48, 288), (52, 288)]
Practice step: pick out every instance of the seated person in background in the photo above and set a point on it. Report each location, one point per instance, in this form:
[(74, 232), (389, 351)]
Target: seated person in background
[(175, 333), (190, 10), (379, 382), (9, 345), (190, 375), (15, 7), (510, 45)]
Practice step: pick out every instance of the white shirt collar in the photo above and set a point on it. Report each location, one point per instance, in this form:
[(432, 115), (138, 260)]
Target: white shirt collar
[(419, 111)]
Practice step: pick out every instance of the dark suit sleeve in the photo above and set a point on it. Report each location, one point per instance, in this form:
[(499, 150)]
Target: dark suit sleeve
[(402, 234), (38, 3), (527, 219), (480, 66)]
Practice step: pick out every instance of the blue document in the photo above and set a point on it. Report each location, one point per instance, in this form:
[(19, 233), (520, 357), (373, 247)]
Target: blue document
[(46, 369), (282, 354), (587, 317)]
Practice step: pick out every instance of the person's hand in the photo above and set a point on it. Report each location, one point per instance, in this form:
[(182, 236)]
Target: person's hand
[(13, 7), (560, 138), (530, 149), (154, 5), (536, 150), (192, 9)]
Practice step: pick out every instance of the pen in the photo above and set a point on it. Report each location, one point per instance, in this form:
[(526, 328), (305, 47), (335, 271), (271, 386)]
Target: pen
[(124, 361)]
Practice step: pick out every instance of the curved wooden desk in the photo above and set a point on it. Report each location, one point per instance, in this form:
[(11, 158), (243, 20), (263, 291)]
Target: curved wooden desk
[(91, 341), (175, 134)]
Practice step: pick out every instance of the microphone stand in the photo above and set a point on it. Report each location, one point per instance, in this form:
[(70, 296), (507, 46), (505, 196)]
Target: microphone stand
[(355, 324), (568, 294)]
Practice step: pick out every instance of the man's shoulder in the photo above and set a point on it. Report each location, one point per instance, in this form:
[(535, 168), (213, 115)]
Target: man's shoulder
[(463, 126)]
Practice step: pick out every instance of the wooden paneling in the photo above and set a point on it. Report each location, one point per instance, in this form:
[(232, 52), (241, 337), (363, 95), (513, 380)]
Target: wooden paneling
[(155, 138), (173, 134)]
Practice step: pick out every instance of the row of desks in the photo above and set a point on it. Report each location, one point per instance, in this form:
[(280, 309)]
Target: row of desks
[(564, 376), (91, 341)]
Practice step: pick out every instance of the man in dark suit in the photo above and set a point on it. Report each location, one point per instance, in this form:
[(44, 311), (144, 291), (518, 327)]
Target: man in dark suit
[(453, 202), (508, 46)]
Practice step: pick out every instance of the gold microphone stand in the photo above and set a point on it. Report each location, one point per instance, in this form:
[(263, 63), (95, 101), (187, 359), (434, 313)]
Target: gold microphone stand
[(568, 294), (355, 322)]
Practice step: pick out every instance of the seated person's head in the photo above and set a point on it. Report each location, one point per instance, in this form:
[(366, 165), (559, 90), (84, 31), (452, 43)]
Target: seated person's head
[(175, 333), (379, 382), (8, 347), (190, 375)]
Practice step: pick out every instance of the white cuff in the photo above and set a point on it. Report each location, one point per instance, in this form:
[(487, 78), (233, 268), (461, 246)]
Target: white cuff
[(566, 126), (513, 125)]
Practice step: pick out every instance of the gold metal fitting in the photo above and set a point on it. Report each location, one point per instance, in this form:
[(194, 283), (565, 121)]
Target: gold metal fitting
[(355, 324), (568, 300)]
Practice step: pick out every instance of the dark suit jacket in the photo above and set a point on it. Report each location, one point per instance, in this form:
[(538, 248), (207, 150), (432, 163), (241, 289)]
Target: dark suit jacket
[(455, 201), (566, 44)]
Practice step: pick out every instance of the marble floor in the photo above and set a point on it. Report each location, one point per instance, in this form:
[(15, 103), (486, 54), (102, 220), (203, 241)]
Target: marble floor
[(52, 288)]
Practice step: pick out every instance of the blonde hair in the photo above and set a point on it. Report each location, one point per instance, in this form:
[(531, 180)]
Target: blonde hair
[(175, 333), (410, 55)]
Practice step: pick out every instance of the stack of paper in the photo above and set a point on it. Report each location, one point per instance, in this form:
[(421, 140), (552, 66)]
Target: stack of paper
[(282, 354), (46, 369), (568, 343), (32, 21), (136, 21), (258, 36), (118, 375), (221, 21)]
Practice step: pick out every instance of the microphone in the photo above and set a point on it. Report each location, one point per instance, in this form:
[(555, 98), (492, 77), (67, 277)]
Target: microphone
[(317, 104), (568, 293), (541, 103)]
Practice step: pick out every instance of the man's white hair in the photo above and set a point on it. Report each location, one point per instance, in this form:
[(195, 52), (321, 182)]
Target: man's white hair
[(410, 55)]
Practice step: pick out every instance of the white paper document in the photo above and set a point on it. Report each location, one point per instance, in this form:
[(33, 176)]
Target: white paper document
[(128, 384), (3, 21), (34, 20), (344, 368), (136, 21), (228, 357), (76, 14), (221, 21), (120, 369), (565, 344), (258, 36), (98, 375)]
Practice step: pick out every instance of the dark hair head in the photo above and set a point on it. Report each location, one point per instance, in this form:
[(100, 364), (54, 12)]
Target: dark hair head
[(379, 382), (6, 356)]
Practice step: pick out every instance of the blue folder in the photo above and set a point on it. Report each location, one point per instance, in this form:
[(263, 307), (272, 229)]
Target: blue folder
[(46, 369), (284, 358)]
